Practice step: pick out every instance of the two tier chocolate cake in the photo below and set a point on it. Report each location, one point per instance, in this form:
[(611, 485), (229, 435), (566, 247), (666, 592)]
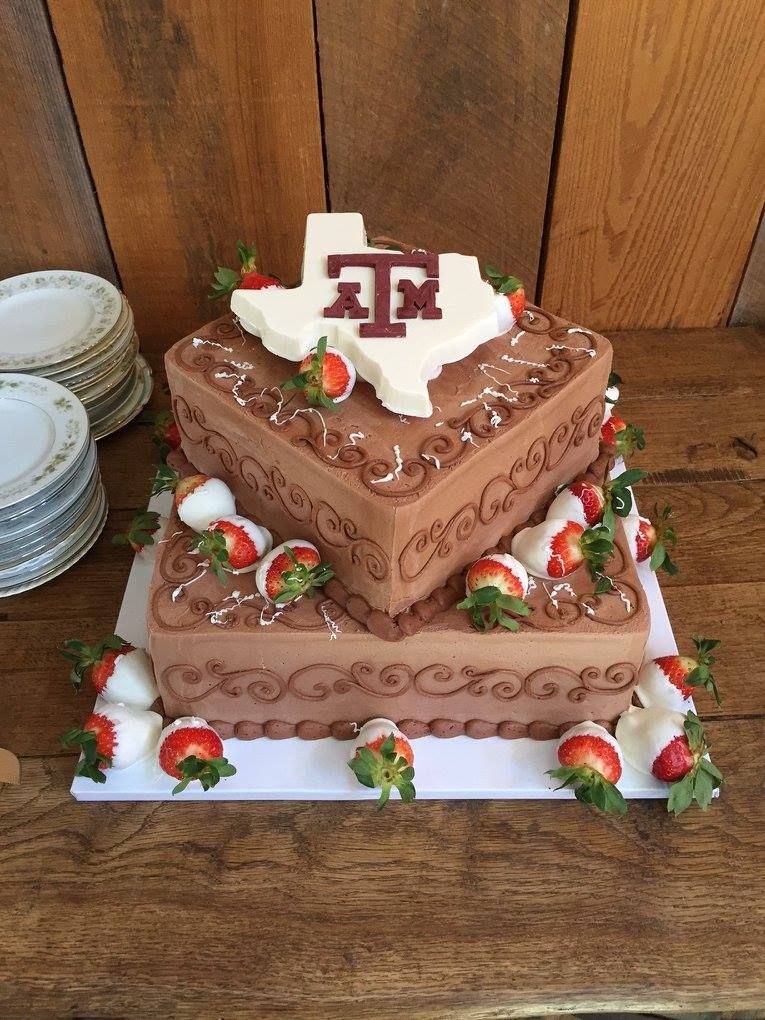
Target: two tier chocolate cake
[(467, 415)]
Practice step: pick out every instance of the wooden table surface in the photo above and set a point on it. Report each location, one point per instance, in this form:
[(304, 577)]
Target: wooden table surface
[(438, 909)]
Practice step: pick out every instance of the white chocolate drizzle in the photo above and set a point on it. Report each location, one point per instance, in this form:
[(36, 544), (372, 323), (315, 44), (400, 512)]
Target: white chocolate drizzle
[(392, 476)]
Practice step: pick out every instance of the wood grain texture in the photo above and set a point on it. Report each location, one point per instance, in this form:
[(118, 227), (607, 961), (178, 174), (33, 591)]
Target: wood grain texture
[(291, 896), (659, 184), (749, 309), (439, 120), (49, 217), (201, 126)]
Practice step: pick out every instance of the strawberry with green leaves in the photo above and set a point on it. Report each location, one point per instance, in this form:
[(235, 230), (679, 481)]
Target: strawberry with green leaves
[(624, 438), (591, 761), (143, 527), (114, 736), (673, 748), (511, 297), (191, 751), (199, 499), (225, 281), (326, 377), (383, 760), (233, 545), (290, 571), (670, 680), (648, 539), (495, 588), (116, 670)]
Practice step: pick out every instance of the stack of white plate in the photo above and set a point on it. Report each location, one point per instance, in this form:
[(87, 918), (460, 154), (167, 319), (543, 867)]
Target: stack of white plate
[(52, 503), (77, 329)]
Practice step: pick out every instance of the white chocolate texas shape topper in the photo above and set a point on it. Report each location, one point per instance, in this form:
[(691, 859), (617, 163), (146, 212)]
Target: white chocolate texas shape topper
[(439, 310)]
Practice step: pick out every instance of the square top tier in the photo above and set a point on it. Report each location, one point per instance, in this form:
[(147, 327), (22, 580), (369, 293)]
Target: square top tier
[(396, 505)]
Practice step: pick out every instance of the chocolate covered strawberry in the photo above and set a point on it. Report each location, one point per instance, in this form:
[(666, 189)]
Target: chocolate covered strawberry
[(556, 548), (624, 438), (383, 759), (591, 761), (511, 297), (673, 748), (325, 378), (225, 281), (190, 750), (589, 504), (495, 587), (612, 392), (117, 670), (141, 531), (670, 680), (115, 736), (291, 570), (648, 539), (199, 499), (233, 545)]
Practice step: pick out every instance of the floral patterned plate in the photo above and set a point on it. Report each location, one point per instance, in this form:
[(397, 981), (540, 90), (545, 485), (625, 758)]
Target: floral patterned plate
[(54, 315), (43, 431)]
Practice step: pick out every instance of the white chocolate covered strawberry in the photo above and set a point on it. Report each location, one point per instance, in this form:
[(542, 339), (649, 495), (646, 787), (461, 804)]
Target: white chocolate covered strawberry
[(233, 545), (670, 680), (556, 548), (190, 750), (623, 437), (118, 671), (612, 394), (114, 736), (510, 301), (591, 761), (291, 570), (326, 377), (589, 504), (673, 748), (199, 499), (495, 587), (648, 539), (383, 759)]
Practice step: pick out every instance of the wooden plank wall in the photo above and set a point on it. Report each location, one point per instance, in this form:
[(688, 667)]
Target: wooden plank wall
[(440, 119), (660, 172), (201, 126), (609, 153), (49, 216)]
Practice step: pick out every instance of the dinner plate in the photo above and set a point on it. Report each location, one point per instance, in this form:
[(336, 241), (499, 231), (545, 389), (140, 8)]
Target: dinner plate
[(53, 315), (73, 553), (43, 431), (93, 361), (132, 405)]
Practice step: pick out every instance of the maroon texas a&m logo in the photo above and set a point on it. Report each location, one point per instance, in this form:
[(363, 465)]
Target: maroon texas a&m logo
[(417, 299)]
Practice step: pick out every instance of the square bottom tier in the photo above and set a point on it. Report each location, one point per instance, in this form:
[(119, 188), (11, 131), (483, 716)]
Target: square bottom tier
[(312, 671)]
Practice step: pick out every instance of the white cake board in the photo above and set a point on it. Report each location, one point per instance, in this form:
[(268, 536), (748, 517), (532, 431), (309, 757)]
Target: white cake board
[(459, 768)]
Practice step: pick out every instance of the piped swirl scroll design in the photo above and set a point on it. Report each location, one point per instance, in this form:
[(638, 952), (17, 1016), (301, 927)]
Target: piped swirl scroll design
[(501, 492), (442, 449), (320, 681)]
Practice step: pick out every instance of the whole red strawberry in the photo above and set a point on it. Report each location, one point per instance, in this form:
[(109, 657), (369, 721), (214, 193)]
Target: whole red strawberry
[(248, 278), (143, 527), (166, 435)]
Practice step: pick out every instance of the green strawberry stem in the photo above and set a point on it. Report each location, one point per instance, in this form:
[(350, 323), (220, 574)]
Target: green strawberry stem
[(703, 779), (165, 480), (227, 280), (660, 559), (91, 758), (590, 787), (83, 656), (141, 530), (501, 283), (702, 676), (302, 580), (311, 381), (384, 770), (212, 546), (208, 772), (488, 608), (597, 547)]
